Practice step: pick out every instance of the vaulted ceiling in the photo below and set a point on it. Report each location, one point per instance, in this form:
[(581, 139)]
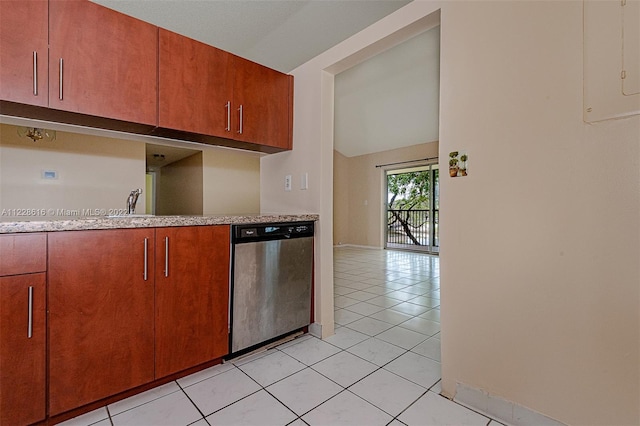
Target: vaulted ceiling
[(391, 100)]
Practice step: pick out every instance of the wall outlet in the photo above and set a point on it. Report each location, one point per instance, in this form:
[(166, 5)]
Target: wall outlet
[(49, 174), (287, 183)]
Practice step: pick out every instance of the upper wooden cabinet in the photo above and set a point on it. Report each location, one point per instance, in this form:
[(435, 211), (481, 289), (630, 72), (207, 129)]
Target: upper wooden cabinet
[(80, 57), (23, 51), (208, 91), (194, 86), (263, 102), (102, 62), (108, 70)]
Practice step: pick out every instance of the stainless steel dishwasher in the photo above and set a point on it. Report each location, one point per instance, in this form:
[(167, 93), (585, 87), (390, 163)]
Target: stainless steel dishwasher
[(271, 281)]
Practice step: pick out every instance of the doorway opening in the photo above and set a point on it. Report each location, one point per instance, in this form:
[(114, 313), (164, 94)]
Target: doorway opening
[(413, 209), (359, 203)]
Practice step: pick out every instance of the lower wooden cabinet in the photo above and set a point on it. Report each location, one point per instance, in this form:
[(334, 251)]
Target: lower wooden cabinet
[(22, 349), (192, 296), (101, 308), (129, 306)]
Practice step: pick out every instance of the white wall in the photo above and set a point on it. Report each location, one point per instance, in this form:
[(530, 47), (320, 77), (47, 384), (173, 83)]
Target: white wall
[(231, 181), (540, 243), (308, 156), (97, 171), (552, 270), (94, 172)]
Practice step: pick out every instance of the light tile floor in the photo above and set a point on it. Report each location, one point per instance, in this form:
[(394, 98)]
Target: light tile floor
[(382, 366)]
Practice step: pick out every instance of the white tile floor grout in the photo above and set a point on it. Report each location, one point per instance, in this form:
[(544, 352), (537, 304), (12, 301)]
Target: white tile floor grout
[(382, 367)]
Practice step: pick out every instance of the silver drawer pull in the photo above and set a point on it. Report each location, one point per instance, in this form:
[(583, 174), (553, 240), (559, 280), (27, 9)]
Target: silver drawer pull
[(228, 108), (146, 257), (166, 256), (35, 73), (60, 95), (30, 325)]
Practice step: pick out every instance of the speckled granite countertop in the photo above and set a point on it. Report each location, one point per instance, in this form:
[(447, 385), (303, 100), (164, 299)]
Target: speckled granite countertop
[(142, 221)]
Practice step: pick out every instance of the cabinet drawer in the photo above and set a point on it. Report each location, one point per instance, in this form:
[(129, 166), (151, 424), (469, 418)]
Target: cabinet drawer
[(23, 253)]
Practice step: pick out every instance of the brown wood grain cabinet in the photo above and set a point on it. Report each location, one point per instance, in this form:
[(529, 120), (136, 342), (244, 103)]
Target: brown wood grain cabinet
[(93, 66), (101, 314), (102, 62), (22, 349), (80, 57), (208, 91), (194, 86), (192, 296), (22, 329), (263, 101), (24, 51), (130, 306)]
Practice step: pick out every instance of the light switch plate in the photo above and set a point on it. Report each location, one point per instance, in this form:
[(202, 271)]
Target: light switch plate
[(304, 181)]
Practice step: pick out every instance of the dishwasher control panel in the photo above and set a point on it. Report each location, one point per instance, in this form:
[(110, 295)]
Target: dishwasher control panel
[(271, 231)]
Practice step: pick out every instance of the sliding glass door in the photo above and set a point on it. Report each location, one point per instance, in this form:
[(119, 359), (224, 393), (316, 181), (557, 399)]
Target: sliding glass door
[(413, 208)]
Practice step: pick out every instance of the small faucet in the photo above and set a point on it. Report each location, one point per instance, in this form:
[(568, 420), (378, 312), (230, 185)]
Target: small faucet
[(132, 199)]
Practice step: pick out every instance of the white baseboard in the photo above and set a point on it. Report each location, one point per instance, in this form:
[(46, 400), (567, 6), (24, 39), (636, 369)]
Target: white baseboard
[(358, 246), (507, 412)]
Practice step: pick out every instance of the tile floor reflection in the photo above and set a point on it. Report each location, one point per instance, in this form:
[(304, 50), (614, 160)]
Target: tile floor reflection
[(382, 367)]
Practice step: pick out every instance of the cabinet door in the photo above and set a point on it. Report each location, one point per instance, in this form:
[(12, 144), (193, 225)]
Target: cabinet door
[(23, 51), (265, 99), (100, 314), (194, 91), (102, 63), (22, 349), (192, 296)]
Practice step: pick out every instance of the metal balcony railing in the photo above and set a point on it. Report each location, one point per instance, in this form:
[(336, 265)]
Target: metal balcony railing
[(414, 229)]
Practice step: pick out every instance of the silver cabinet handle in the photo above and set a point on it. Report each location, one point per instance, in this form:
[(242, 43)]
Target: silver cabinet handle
[(60, 95), (228, 108), (146, 257), (30, 325), (230, 286), (35, 73), (166, 256), (240, 127)]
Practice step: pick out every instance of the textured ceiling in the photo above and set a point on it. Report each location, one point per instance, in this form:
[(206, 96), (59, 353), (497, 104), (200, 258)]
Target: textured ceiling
[(281, 34)]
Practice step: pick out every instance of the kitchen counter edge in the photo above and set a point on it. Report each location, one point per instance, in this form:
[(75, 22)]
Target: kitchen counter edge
[(83, 224)]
